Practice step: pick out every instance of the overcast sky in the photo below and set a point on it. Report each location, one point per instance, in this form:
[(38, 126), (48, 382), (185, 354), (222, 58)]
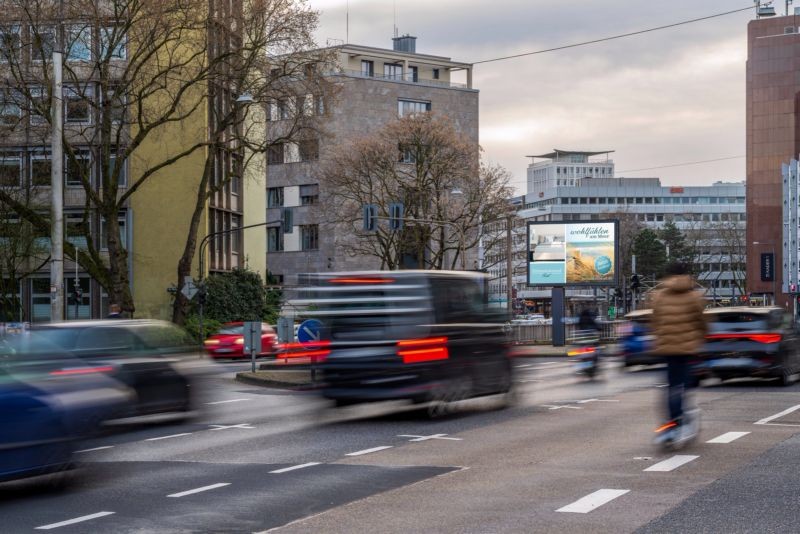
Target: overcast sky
[(662, 98)]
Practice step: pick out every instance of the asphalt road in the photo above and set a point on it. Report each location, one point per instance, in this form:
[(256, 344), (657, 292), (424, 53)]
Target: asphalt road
[(570, 456)]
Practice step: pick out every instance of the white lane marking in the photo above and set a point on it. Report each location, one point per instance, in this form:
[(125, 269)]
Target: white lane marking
[(198, 490), (301, 466), (227, 401), (97, 449), (524, 366), (367, 451), (584, 401), (727, 437), (672, 463), (777, 415), (168, 437), (226, 427), (426, 438), (560, 406), (73, 521), (584, 505)]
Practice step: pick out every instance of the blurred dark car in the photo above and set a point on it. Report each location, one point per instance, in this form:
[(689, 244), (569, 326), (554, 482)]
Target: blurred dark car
[(145, 355), (228, 343), (637, 342), (49, 401), (750, 342), (414, 335)]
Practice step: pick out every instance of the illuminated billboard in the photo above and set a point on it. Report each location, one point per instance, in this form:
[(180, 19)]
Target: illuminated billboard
[(572, 254)]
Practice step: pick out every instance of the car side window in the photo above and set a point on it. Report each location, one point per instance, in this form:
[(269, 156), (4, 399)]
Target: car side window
[(458, 300), (105, 341)]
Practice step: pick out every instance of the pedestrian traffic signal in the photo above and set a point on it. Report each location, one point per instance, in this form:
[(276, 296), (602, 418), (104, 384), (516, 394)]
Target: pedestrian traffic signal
[(635, 282), (370, 218)]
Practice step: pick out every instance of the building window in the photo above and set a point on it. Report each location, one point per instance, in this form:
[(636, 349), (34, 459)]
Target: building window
[(10, 169), (275, 197), (115, 104), (275, 154), (109, 37), (393, 71), (74, 230), (407, 154), (284, 109), (414, 74), (272, 111), (309, 237), (41, 169), (40, 299), (39, 106), (79, 169), (308, 150), (10, 111), (274, 239), (309, 194), (367, 68), (79, 43), (122, 179), (43, 43), (9, 43), (410, 107), (76, 104), (435, 74)]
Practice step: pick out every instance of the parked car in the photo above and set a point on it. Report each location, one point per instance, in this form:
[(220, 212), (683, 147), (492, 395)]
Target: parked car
[(145, 355), (228, 343), (414, 335), (49, 401), (750, 342), (637, 341)]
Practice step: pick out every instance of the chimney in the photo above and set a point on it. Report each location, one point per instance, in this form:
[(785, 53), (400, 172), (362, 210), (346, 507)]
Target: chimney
[(405, 43)]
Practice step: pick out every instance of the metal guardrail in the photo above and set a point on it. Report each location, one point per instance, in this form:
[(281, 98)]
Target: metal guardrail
[(542, 333)]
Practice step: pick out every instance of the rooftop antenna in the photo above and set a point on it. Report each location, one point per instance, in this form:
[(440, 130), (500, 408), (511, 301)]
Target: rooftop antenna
[(394, 7), (347, 22)]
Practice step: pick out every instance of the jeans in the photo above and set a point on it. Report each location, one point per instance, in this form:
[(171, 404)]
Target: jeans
[(678, 379)]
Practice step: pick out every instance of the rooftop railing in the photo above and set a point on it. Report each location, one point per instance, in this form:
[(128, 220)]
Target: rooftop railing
[(407, 77)]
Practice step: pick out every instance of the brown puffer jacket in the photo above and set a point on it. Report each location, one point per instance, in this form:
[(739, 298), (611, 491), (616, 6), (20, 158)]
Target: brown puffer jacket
[(677, 321)]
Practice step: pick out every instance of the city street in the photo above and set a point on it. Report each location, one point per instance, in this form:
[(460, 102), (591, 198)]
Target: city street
[(570, 456)]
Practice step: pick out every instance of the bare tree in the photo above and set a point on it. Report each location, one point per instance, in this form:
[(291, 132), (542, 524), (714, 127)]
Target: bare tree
[(423, 162)]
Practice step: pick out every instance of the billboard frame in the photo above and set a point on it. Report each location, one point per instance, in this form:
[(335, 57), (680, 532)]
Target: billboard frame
[(617, 268)]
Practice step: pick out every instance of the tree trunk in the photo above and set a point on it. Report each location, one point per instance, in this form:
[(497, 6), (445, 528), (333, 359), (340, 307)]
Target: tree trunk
[(119, 288), (180, 306)]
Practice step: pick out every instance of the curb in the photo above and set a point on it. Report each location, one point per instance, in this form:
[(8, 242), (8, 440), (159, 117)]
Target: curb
[(272, 380)]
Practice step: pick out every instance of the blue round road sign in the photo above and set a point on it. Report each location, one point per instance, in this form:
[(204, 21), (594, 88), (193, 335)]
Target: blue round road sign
[(309, 330)]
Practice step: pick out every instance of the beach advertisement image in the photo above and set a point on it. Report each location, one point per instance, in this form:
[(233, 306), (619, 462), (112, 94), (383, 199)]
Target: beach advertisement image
[(572, 253)]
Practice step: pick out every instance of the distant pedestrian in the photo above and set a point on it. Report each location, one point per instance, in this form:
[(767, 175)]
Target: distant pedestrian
[(680, 329), (114, 312)]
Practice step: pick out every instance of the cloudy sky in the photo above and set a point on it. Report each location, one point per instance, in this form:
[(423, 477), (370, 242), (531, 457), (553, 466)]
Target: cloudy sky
[(663, 98)]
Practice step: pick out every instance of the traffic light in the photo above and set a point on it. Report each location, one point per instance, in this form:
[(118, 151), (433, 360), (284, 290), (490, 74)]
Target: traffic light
[(396, 215), (370, 218), (618, 293), (792, 288), (635, 283)]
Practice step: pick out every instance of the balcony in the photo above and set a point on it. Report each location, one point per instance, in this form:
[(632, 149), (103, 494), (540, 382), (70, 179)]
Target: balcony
[(405, 78)]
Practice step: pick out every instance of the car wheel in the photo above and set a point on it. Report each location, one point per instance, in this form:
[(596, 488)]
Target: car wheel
[(786, 378), (443, 401)]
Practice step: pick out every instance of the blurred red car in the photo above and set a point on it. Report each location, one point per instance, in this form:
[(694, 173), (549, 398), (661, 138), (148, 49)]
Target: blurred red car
[(229, 342)]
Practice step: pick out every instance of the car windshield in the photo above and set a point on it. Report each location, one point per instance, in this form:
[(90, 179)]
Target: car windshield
[(743, 322), (232, 330)]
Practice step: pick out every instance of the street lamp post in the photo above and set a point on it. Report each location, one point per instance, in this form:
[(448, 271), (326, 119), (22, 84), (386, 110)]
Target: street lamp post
[(774, 274)]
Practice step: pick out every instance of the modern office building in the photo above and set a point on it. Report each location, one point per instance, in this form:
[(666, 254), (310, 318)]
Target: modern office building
[(153, 222), (773, 138), (713, 217), (375, 87)]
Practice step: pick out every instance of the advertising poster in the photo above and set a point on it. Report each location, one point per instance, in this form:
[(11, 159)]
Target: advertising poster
[(581, 253)]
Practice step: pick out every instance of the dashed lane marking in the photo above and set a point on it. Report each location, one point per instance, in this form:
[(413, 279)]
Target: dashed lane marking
[(670, 464), (426, 438), (584, 401), (584, 505), (199, 490), (367, 451), (787, 411), (227, 401), (292, 468), (73, 521), (169, 437), (96, 449), (560, 406), (226, 427), (727, 437)]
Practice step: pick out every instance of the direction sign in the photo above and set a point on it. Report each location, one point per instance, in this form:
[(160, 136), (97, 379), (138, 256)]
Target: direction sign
[(189, 289), (310, 330)]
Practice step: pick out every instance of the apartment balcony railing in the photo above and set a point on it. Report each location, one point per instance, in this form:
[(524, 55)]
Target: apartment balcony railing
[(407, 77)]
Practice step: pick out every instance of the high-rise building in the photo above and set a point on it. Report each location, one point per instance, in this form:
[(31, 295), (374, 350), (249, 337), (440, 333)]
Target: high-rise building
[(773, 138), (376, 86)]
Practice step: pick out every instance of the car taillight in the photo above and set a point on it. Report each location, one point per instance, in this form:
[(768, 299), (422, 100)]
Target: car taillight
[(758, 338), (82, 370), (361, 280), (316, 351), (423, 350)]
